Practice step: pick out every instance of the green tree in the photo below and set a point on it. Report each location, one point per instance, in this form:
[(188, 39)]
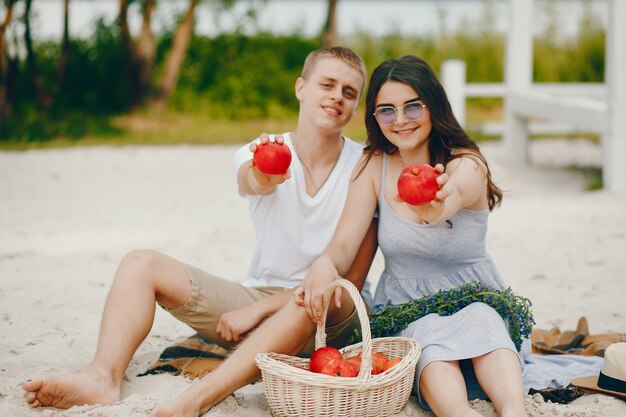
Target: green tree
[(330, 36), (175, 58), (5, 103), (140, 52)]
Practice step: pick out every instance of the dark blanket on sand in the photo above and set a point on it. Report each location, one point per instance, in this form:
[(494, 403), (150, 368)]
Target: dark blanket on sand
[(193, 358)]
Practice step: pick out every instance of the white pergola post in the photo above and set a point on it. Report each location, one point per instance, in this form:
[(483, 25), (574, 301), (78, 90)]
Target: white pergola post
[(453, 77), (614, 139), (518, 77)]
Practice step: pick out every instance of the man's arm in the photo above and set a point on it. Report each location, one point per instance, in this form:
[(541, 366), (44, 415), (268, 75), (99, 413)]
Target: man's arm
[(253, 182), (233, 325)]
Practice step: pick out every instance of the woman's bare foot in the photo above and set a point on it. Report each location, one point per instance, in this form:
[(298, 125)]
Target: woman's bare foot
[(87, 387)]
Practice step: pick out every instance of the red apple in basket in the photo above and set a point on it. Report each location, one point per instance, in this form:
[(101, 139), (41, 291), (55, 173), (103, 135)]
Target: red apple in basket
[(356, 361), (379, 361), (272, 158), (321, 356), (339, 367), (417, 184), (391, 363)]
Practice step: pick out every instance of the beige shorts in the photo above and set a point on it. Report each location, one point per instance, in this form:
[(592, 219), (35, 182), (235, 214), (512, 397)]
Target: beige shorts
[(212, 296)]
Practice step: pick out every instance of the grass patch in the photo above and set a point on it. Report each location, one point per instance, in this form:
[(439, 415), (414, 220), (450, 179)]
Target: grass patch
[(183, 128), (590, 136), (483, 110), (593, 177), (175, 128), (168, 128)]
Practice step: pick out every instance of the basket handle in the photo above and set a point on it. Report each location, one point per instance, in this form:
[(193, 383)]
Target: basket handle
[(320, 335)]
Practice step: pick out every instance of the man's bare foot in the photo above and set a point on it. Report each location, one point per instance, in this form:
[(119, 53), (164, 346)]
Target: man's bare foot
[(87, 387), (186, 410), (180, 408), (191, 403)]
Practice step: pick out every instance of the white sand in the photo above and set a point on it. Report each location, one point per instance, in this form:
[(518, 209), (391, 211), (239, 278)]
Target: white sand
[(68, 216)]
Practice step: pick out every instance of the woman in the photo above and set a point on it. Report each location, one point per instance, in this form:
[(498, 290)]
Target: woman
[(436, 246)]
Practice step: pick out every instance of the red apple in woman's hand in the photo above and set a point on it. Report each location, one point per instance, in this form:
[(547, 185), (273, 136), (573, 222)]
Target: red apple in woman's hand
[(272, 158), (417, 184)]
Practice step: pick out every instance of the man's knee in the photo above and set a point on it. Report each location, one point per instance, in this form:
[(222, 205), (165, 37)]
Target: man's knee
[(297, 314), (141, 263), (294, 310), (152, 271)]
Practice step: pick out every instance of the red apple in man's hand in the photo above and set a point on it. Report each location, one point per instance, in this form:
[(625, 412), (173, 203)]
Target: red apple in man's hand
[(272, 158), (339, 367), (321, 356), (417, 184)]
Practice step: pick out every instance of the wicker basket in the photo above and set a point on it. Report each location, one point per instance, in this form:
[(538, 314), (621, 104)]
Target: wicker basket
[(296, 392)]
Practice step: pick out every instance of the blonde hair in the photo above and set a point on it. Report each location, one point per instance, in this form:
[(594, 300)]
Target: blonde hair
[(341, 53)]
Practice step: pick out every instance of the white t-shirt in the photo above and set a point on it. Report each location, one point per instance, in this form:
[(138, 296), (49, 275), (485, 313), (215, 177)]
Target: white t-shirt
[(293, 228)]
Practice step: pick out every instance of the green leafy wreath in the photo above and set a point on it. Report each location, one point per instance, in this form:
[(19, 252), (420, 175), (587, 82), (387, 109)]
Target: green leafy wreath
[(389, 320)]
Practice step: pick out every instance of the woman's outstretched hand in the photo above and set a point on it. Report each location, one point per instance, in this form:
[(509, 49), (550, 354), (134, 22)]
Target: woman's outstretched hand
[(431, 210)]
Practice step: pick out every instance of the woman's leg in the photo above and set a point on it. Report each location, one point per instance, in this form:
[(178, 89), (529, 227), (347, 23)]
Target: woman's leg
[(500, 375), (142, 278), (443, 387)]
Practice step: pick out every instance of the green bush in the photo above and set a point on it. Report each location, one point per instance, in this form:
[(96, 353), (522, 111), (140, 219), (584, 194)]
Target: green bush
[(237, 76)]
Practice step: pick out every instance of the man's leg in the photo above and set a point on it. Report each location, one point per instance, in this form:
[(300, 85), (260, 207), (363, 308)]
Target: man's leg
[(287, 331), (143, 278)]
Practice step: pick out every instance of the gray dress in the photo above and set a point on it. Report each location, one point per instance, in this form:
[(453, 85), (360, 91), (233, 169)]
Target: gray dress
[(421, 259)]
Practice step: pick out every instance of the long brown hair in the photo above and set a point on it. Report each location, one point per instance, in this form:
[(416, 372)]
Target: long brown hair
[(446, 134)]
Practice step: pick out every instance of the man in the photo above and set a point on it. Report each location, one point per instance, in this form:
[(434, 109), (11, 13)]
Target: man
[(294, 215)]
